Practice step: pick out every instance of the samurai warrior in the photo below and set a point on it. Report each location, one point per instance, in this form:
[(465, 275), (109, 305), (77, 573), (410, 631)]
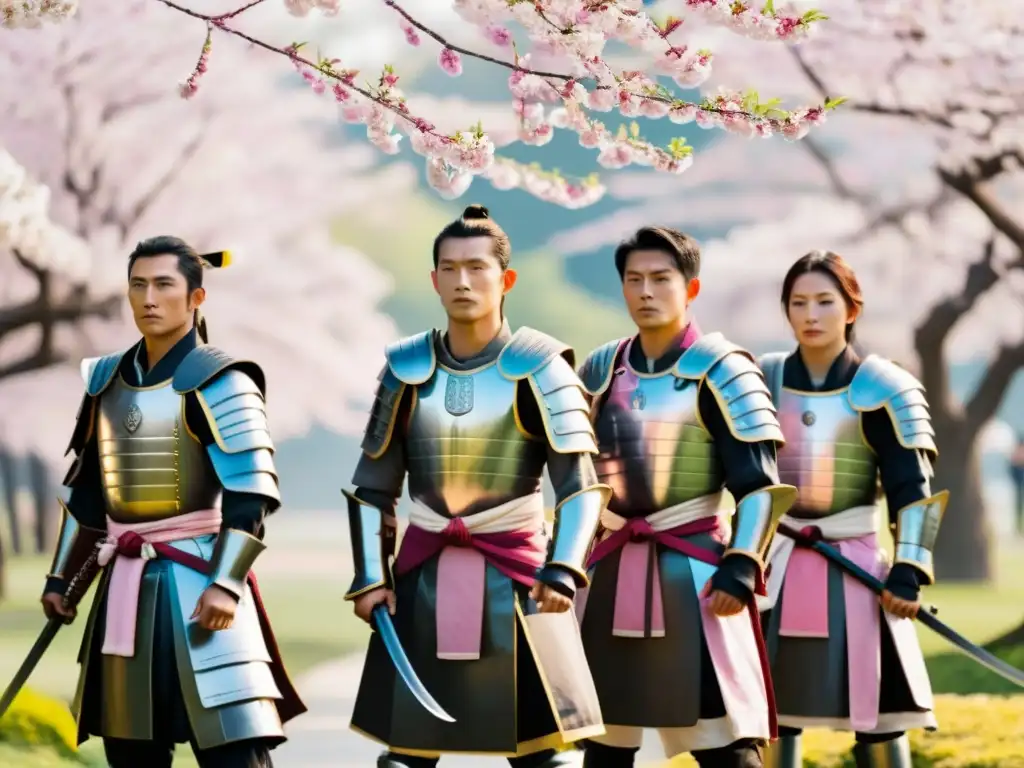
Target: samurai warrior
[(669, 623), (172, 481), (480, 595), (840, 659)]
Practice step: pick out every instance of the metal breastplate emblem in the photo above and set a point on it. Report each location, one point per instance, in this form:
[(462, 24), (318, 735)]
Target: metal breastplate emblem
[(133, 419), (808, 418), (458, 395)]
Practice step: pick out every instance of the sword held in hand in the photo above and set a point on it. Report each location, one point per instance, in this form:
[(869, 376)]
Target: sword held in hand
[(925, 616), (73, 595)]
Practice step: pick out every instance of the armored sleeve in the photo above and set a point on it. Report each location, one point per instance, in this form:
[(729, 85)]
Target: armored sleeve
[(83, 518), (230, 395), (380, 473), (560, 401), (742, 413), (752, 477), (897, 425)]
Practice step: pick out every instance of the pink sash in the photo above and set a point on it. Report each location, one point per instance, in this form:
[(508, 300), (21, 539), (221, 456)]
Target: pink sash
[(130, 563)]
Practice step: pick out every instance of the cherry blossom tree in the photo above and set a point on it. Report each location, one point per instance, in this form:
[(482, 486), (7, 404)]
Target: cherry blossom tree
[(100, 151), (561, 81), (918, 184)]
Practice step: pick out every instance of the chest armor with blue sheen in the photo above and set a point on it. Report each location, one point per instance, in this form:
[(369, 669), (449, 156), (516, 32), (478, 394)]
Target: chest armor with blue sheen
[(653, 450), (825, 456), (466, 449), (151, 466)]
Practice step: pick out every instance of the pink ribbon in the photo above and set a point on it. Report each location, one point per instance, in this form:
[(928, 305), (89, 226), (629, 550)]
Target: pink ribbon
[(805, 614), (128, 554), (638, 570), (461, 576)]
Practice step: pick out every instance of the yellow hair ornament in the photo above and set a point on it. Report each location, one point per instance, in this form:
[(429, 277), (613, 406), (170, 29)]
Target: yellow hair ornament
[(217, 259)]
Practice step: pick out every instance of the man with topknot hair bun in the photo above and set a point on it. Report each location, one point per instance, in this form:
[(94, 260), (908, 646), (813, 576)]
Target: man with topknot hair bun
[(472, 415)]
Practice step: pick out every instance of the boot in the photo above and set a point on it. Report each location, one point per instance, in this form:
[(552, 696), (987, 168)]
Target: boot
[(785, 752), (894, 753)]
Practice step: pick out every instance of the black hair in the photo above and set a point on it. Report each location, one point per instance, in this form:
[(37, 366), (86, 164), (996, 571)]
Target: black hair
[(476, 221), (684, 250), (190, 265)]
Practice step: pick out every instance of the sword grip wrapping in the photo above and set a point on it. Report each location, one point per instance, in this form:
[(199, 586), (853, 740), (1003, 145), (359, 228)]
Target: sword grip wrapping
[(83, 565)]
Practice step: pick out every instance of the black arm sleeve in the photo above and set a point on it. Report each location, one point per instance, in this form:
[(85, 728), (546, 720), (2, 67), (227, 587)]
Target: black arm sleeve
[(905, 474), (748, 467), (379, 481), (569, 473), (242, 511)]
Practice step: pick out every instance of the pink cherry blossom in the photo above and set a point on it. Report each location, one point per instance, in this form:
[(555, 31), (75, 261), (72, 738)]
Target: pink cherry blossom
[(566, 42), (450, 62)]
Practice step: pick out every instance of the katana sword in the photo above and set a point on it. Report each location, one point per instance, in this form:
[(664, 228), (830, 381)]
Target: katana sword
[(961, 643), (29, 664), (389, 636), (72, 597)]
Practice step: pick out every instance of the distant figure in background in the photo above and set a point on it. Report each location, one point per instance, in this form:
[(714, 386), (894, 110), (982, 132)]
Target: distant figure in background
[(473, 415), (1017, 476), (839, 659), (174, 475)]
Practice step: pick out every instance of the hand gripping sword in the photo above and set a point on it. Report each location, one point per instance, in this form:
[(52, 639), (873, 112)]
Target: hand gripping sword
[(926, 617), (72, 596), (386, 628)]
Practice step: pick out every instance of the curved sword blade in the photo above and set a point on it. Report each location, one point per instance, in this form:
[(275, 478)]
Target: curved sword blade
[(961, 643), (386, 628)]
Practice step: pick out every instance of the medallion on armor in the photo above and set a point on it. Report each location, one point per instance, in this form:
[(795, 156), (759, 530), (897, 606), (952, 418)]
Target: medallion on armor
[(825, 455), (458, 394), (464, 443)]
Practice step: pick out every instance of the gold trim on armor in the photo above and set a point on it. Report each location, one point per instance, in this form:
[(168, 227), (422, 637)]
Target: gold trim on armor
[(723, 408), (184, 420), (212, 421), (917, 550), (392, 421), (467, 372)]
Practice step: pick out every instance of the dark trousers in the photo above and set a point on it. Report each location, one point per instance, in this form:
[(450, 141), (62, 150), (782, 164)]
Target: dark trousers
[(862, 738), (740, 754), (536, 760), (124, 753)]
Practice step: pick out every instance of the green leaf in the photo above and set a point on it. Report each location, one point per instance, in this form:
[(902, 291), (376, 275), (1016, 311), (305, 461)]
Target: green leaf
[(831, 103), (634, 130), (813, 15), (769, 8)]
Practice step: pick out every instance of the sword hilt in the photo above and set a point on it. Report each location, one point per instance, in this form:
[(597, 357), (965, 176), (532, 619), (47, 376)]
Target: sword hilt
[(82, 579)]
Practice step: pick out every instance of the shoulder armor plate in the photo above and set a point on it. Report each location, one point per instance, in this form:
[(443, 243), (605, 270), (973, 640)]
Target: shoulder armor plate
[(744, 399), (412, 360), (204, 363), (242, 453), (528, 351), (596, 371), (98, 372), (563, 407), (381, 425), (880, 383), (772, 366), (696, 361)]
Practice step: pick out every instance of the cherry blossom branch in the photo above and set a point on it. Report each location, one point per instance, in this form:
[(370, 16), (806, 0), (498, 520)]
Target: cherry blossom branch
[(578, 30)]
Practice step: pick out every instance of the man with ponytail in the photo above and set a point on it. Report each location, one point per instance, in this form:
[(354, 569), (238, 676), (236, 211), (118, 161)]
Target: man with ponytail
[(172, 480), (472, 416)]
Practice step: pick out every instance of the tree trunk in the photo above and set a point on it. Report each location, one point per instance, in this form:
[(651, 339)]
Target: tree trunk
[(963, 551), (9, 484), (43, 508)]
